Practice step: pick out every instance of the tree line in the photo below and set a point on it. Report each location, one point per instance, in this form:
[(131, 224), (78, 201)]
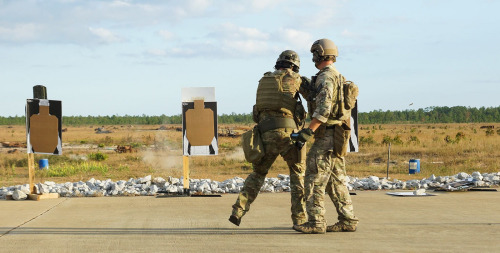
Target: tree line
[(443, 114)]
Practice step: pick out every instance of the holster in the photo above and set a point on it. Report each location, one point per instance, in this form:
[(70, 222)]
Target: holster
[(341, 135)]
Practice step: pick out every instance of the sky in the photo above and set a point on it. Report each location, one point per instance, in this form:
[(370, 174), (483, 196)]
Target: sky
[(133, 57)]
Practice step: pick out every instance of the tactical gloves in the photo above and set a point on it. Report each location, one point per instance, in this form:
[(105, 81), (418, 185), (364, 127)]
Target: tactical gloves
[(306, 82), (302, 137)]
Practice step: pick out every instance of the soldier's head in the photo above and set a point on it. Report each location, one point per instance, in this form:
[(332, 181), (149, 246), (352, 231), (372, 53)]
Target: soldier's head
[(288, 59), (324, 50)]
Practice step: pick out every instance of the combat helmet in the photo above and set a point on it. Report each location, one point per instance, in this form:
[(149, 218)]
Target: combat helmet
[(288, 56), (324, 49)]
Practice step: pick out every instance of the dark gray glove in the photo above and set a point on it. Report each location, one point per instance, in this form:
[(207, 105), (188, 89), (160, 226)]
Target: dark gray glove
[(302, 137)]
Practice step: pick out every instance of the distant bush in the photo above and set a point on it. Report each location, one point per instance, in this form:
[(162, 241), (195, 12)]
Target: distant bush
[(460, 136), (396, 140), (413, 139), (366, 140), (13, 162), (386, 140), (448, 139), (97, 156), (490, 132)]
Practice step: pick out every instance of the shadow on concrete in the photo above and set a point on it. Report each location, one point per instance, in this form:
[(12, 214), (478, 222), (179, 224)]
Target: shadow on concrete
[(150, 231)]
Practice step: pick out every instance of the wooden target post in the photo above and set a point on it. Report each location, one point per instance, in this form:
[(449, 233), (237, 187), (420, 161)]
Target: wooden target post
[(185, 168)]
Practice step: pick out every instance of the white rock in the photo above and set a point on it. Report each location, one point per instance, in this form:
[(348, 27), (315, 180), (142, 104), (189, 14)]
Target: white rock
[(153, 189), (118, 187), (90, 184), (172, 189), (283, 177), (441, 179), (479, 183), (358, 185), (19, 195), (145, 179), (49, 183), (214, 185), (159, 180), (269, 188), (419, 192), (174, 181), (68, 186), (239, 181), (386, 186), (25, 189), (462, 175), (373, 179), (42, 188), (403, 185)]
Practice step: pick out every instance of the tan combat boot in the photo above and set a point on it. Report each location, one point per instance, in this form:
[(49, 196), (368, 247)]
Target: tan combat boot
[(236, 215), (341, 227), (308, 228), (235, 220)]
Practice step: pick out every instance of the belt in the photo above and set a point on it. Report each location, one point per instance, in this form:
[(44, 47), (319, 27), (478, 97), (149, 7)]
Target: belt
[(274, 123)]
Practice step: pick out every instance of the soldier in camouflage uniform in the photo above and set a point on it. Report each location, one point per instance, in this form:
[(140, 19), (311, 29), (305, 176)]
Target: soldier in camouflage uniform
[(274, 111), (325, 163)]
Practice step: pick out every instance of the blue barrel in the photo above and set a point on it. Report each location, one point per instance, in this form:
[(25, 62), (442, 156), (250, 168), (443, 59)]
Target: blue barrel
[(414, 166), (43, 164)]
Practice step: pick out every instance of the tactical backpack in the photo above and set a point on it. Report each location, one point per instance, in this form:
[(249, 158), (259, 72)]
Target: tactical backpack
[(348, 95)]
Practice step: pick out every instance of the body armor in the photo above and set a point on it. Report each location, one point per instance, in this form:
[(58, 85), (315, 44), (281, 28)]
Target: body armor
[(273, 96)]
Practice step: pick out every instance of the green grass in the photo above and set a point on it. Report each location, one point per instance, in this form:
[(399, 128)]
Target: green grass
[(71, 170), (97, 156)]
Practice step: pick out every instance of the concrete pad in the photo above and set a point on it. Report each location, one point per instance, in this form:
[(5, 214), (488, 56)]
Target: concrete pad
[(14, 213), (448, 222)]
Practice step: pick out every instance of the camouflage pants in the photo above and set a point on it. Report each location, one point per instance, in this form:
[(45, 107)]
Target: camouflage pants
[(326, 173), (276, 142)]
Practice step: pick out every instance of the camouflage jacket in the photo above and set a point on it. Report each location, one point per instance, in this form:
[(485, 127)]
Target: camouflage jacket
[(325, 100)]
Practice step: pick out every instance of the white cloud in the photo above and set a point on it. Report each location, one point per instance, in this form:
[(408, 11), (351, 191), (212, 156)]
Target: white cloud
[(263, 4), (300, 40), (184, 51), (352, 35), (198, 6), (156, 52), (105, 35), (120, 4), (244, 47), (166, 35), (19, 32), (231, 31)]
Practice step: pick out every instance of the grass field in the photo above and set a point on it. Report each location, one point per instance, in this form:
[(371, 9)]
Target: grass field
[(443, 149)]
